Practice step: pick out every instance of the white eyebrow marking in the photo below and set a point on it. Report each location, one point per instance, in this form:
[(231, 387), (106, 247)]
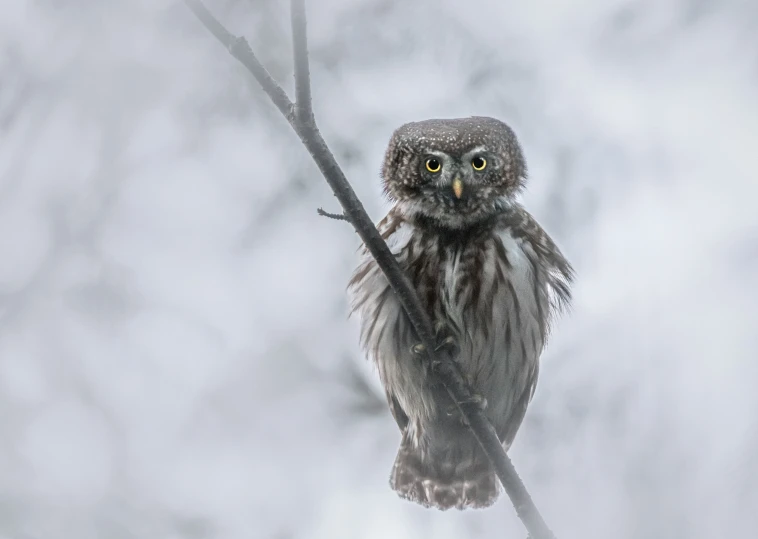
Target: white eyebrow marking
[(478, 149)]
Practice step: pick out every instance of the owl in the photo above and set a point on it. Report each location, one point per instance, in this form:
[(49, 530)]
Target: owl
[(492, 281)]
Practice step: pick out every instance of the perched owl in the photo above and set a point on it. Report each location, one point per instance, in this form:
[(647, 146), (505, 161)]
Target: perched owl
[(490, 278)]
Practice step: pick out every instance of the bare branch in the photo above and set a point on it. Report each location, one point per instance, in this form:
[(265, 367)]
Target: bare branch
[(303, 106), (449, 373), (335, 216), (240, 49)]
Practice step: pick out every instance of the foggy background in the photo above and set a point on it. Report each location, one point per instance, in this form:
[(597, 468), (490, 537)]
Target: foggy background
[(175, 357)]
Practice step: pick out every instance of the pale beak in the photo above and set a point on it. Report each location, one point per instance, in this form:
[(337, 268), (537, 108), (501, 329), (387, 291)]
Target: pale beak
[(457, 187)]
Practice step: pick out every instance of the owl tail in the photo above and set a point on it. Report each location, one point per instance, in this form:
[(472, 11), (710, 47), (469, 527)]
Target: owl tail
[(464, 483)]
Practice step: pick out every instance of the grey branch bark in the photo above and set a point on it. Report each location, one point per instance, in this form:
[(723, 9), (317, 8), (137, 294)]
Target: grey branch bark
[(303, 102), (300, 117)]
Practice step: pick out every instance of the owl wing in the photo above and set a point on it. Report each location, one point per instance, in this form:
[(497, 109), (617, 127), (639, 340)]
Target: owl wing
[(506, 430), (555, 272), (553, 276), (401, 418), (370, 291)]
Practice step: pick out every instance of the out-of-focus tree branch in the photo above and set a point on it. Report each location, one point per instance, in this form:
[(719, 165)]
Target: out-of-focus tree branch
[(300, 116)]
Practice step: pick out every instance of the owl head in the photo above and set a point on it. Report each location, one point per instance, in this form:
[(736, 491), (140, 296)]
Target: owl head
[(455, 172)]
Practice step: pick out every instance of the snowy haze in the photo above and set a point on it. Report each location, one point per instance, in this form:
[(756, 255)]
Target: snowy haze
[(175, 357)]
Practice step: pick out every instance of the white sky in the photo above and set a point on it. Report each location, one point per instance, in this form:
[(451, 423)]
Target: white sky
[(175, 359)]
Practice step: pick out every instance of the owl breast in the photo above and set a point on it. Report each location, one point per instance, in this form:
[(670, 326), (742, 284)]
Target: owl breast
[(485, 287), (489, 297)]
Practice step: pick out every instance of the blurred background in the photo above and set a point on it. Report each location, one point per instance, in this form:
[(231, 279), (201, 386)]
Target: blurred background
[(175, 355)]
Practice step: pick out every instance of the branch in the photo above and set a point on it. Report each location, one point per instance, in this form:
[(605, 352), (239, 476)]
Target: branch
[(303, 107), (336, 216), (240, 49), (304, 125)]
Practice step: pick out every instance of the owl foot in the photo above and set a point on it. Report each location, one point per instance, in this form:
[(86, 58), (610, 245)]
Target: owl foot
[(444, 342), (419, 350), (448, 344), (476, 401)]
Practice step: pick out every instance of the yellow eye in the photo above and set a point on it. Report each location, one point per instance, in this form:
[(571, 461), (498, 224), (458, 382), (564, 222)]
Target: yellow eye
[(478, 163), (433, 165)]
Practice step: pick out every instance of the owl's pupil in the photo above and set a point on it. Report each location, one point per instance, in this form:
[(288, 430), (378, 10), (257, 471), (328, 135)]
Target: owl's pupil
[(478, 163)]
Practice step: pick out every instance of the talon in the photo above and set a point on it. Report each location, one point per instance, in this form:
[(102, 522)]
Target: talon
[(479, 401), (418, 349), (476, 400), (447, 342), (444, 338)]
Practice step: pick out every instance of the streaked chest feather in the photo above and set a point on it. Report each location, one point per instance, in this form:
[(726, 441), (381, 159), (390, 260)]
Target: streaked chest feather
[(496, 287), (486, 289), (485, 286)]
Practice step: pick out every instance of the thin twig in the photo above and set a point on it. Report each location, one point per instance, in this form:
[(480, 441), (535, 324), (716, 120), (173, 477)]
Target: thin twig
[(240, 49), (449, 373), (335, 216), (303, 105)]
